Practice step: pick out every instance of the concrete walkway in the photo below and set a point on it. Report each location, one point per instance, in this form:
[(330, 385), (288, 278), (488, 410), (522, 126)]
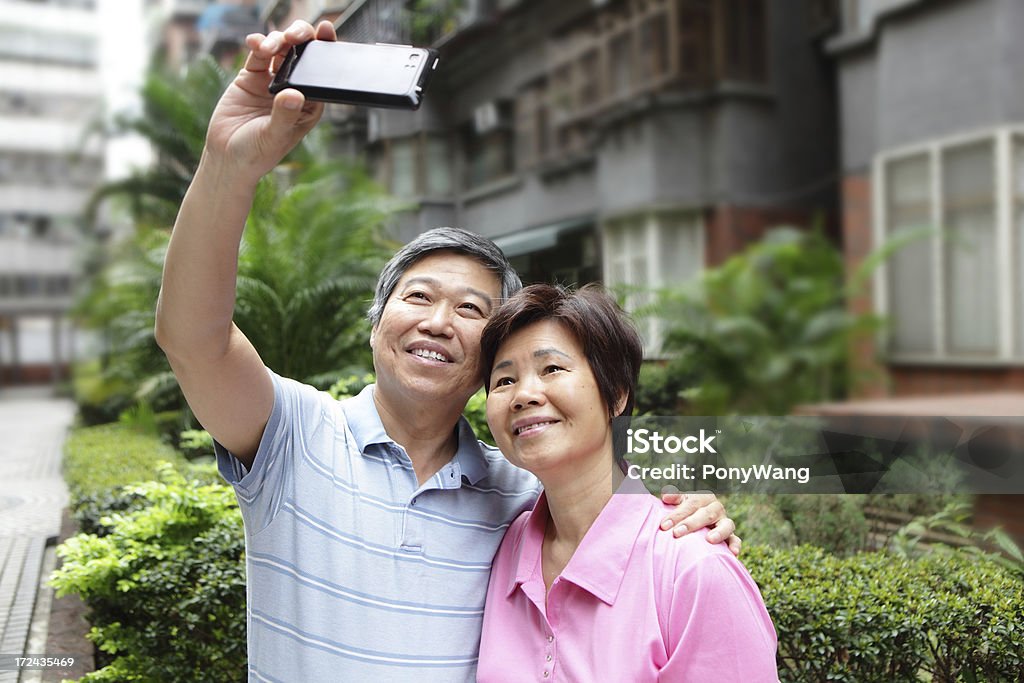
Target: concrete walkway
[(33, 426)]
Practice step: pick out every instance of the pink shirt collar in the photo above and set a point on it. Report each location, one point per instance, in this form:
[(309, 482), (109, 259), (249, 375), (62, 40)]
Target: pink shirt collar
[(599, 563)]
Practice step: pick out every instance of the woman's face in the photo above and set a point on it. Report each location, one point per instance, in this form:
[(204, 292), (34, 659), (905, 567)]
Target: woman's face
[(544, 407)]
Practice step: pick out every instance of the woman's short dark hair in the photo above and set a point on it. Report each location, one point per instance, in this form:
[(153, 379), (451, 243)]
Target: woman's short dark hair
[(610, 342)]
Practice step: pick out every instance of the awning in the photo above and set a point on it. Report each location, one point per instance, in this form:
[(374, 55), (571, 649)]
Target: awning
[(543, 237)]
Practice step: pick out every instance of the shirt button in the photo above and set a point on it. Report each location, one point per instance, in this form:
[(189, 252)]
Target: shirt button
[(545, 674), (551, 639), (549, 658)]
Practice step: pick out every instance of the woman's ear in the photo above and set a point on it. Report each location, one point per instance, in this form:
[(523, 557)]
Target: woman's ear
[(620, 405)]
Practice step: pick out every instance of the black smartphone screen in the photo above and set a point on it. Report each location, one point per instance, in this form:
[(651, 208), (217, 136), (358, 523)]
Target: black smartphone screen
[(358, 73)]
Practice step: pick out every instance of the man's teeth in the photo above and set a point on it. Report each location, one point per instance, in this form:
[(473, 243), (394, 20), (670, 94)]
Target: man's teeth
[(535, 425), (423, 353)]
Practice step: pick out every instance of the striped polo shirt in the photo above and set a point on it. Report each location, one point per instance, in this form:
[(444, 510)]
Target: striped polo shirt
[(354, 571)]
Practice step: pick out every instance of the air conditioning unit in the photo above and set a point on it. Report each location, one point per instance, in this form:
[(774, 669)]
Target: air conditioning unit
[(372, 126), (490, 116)]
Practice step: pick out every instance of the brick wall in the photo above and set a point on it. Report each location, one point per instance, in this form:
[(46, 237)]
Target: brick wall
[(728, 229)]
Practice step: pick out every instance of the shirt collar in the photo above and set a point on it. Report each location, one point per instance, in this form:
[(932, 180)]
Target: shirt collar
[(600, 561), (367, 429)]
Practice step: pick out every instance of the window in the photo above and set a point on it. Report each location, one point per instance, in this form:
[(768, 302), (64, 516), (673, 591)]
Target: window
[(416, 166), (489, 147), (403, 167), (647, 252), (956, 291), (743, 25), (531, 125)]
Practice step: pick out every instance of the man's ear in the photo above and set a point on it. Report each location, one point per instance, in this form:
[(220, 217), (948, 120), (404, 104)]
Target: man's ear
[(373, 335)]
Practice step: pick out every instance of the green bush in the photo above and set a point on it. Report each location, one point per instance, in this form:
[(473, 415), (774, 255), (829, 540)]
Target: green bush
[(762, 332), (759, 521), (830, 521), (104, 457), (878, 617), (165, 585), (833, 522)]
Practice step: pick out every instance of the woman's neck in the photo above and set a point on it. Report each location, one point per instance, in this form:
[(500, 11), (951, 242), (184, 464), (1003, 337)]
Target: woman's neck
[(573, 506)]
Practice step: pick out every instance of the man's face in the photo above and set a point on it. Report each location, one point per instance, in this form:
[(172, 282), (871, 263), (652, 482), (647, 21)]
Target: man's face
[(426, 346)]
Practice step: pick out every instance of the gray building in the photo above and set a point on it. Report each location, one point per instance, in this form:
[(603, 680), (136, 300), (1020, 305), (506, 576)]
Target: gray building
[(49, 94), (630, 141), (932, 125)]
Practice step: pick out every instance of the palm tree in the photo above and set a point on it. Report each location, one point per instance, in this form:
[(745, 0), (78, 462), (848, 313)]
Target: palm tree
[(175, 113), (309, 256)]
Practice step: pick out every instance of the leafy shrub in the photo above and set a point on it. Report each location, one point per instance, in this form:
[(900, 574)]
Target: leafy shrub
[(195, 443), (165, 585), (759, 521), (766, 330), (104, 457), (833, 522), (879, 617), (919, 535)]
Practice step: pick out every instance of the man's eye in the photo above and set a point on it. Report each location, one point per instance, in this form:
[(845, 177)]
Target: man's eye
[(472, 308), (416, 295)]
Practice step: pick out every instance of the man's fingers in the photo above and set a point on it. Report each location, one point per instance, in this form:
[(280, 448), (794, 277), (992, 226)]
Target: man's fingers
[(702, 517), (325, 31), (735, 543), (299, 32), (685, 511), (287, 109), (722, 529)]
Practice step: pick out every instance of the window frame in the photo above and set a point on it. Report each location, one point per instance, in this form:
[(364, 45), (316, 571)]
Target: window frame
[(654, 224), (1005, 200)]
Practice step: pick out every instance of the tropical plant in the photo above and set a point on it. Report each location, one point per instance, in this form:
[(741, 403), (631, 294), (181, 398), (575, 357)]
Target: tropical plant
[(307, 264), (176, 109), (762, 332)]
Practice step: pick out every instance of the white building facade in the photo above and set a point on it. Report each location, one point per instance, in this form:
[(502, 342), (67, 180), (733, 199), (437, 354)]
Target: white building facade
[(50, 95)]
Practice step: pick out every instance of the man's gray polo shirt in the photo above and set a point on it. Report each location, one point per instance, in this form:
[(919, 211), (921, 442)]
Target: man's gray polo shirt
[(354, 571)]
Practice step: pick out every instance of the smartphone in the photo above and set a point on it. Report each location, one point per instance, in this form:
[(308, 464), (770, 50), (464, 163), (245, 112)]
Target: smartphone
[(375, 75)]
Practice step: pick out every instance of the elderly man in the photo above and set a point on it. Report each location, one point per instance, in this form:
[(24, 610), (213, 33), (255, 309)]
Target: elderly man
[(370, 523)]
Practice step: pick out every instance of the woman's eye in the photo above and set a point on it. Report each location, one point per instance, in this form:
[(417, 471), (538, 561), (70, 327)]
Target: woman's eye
[(502, 381), (552, 368)]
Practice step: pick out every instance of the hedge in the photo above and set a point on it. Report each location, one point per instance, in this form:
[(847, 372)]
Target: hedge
[(98, 459), (879, 617), (161, 567), (164, 583)]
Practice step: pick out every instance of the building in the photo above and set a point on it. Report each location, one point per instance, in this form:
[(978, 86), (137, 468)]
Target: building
[(49, 95), (633, 142), (182, 30), (932, 134)]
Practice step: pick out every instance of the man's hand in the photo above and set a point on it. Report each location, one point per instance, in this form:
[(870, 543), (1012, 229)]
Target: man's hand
[(252, 130), (699, 510)]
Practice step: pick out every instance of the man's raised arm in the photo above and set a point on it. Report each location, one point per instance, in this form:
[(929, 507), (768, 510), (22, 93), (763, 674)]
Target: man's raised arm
[(219, 371)]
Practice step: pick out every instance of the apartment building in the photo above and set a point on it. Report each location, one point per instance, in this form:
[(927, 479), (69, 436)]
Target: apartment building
[(179, 31), (932, 130), (629, 141), (49, 94)]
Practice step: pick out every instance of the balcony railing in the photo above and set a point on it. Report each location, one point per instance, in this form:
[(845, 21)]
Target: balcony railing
[(415, 22), (631, 49)]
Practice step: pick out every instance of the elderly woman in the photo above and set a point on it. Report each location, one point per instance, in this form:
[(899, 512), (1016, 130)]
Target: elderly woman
[(584, 588)]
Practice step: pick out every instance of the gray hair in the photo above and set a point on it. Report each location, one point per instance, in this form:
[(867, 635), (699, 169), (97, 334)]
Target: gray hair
[(443, 239)]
